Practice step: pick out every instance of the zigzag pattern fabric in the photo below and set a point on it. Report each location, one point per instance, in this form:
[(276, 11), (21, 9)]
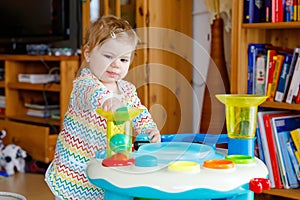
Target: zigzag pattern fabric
[(83, 134)]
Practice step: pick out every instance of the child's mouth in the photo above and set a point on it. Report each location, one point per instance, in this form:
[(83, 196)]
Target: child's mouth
[(112, 74)]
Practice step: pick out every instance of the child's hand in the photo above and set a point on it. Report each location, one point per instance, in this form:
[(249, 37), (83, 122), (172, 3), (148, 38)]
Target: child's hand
[(112, 104), (154, 135)]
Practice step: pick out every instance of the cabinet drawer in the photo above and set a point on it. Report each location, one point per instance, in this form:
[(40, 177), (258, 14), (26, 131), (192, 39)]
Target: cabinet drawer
[(35, 140)]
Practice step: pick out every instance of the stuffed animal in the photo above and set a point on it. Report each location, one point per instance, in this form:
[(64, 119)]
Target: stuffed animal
[(2, 135), (11, 157)]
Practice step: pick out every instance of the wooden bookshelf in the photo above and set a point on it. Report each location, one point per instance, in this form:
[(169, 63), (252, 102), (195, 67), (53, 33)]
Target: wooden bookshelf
[(36, 135), (284, 34), (277, 25)]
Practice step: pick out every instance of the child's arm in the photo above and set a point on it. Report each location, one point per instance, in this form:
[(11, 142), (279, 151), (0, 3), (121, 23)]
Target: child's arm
[(144, 123)]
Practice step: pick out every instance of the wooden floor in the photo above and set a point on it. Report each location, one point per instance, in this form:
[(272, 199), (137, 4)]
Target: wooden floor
[(32, 186)]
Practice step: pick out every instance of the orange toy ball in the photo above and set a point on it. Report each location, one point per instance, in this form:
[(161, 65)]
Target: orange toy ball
[(119, 156)]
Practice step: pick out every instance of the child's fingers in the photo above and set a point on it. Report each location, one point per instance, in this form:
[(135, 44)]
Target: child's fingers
[(154, 136)]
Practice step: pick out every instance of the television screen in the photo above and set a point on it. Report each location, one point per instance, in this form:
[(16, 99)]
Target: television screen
[(34, 21)]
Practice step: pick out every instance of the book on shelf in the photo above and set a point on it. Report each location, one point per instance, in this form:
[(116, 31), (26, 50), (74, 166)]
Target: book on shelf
[(289, 76), (295, 134), (272, 148), (282, 80), (260, 75), (268, 10), (282, 124), (277, 10), (284, 138), (259, 148), (264, 142), (274, 71), (279, 62), (298, 10), (289, 10), (294, 83), (255, 51), (254, 11), (297, 98), (295, 10), (270, 70), (295, 163)]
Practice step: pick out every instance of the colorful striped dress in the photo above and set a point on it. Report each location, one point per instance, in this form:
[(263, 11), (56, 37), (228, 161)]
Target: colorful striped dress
[(84, 133)]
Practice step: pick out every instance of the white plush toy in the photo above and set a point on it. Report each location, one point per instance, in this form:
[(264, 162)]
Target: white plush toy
[(2, 135), (11, 157)]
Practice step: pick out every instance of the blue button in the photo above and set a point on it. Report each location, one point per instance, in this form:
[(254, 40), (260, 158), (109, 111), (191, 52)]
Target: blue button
[(146, 161)]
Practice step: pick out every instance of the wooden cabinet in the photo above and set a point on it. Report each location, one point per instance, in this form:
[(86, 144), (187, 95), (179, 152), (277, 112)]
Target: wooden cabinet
[(36, 135), (162, 70), (285, 34)]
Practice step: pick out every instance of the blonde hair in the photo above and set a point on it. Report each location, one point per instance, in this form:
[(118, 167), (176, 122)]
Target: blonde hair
[(104, 28)]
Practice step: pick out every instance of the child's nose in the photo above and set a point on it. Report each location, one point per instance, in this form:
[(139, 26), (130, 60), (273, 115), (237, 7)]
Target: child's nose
[(116, 63)]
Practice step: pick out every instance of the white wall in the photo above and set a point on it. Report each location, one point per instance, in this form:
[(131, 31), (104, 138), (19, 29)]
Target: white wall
[(201, 52), (201, 49)]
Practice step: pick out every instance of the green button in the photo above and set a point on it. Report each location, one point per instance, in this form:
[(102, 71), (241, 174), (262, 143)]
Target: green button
[(240, 159)]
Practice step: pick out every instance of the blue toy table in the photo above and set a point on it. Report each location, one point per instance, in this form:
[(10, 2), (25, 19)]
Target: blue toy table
[(157, 175)]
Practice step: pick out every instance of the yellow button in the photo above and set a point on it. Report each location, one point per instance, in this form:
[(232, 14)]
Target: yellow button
[(184, 166)]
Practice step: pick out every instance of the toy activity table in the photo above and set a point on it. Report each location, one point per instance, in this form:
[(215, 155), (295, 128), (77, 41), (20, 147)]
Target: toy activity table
[(181, 170)]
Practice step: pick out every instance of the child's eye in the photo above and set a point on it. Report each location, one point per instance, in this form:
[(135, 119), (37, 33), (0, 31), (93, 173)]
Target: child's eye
[(108, 56), (124, 60)]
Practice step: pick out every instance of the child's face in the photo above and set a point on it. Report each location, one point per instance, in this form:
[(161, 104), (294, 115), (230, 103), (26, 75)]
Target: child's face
[(111, 61)]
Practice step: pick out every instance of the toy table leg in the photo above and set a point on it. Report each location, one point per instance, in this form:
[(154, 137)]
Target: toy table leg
[(247, 196), (112, 195)]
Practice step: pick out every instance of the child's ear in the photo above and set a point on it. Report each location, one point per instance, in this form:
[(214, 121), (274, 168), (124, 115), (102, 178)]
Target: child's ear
[(86, 53)]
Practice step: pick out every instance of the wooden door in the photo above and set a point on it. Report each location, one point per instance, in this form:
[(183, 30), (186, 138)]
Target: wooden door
[(170, 64)]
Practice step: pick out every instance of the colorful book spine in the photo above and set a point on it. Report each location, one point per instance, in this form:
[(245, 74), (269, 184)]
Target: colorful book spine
[(254, 11), (282, 83), (289, 76), (273, 8), (268, 11), (295, 134), (272, 150), (295, 3), (298, 10), (264, 142), (294, 85), (277, 10), (289, 10), (254, 51), (260, 75), (282, 124), (270, 71), (297, 99), (295, 163), (284, 138), (287, 122), (259, 144), (279, 62), (280, 11), (297, 154)]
